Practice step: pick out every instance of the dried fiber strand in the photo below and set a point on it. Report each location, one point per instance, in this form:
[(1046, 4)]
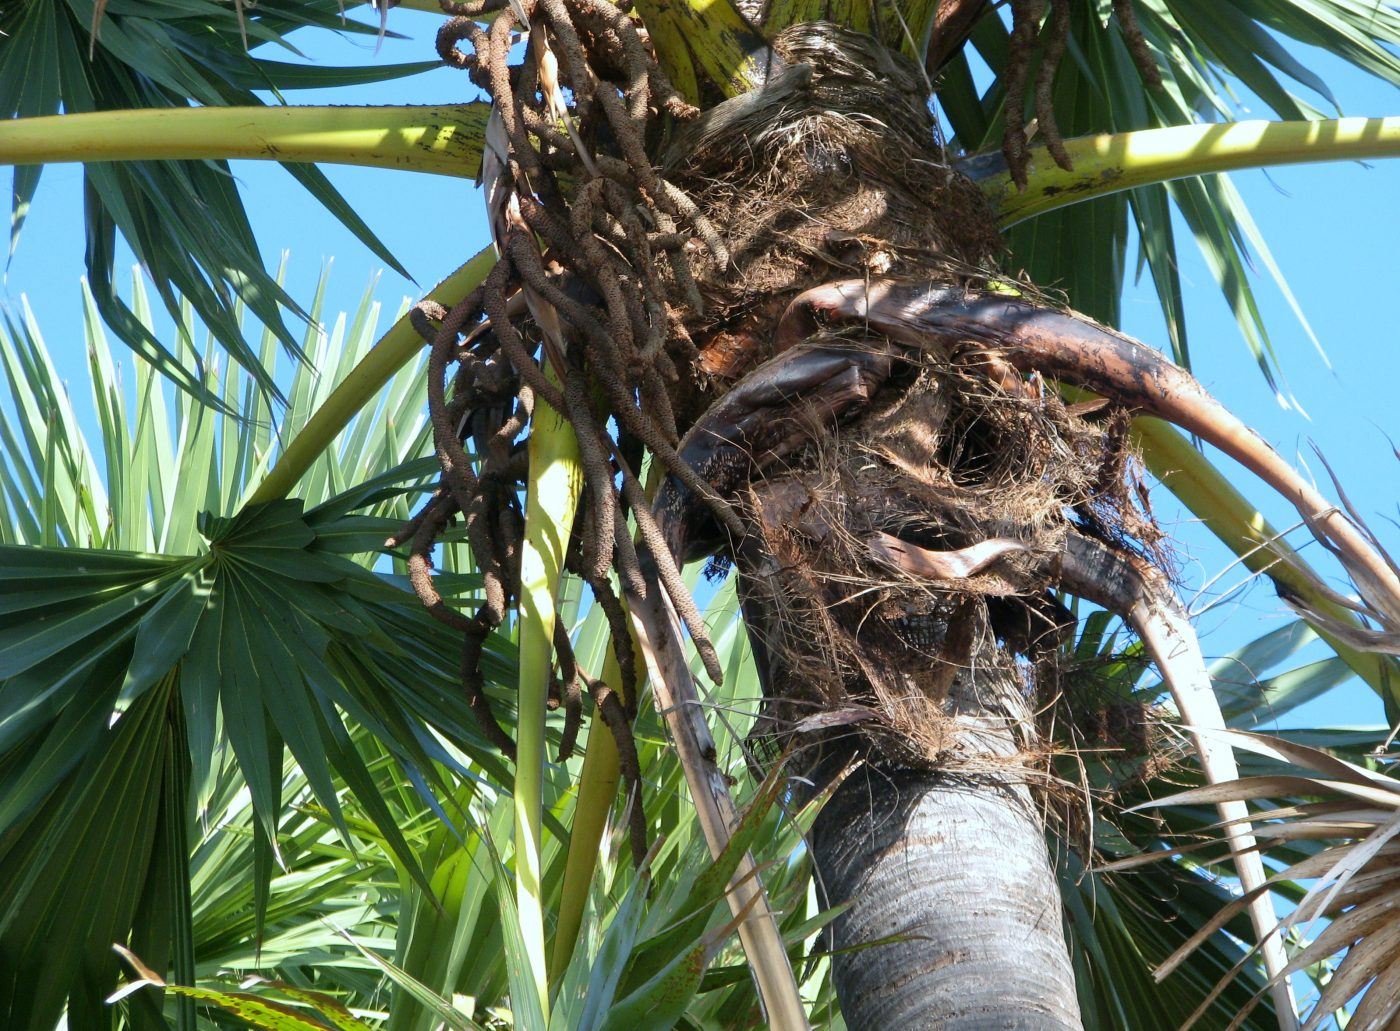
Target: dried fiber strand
[(593, 243)]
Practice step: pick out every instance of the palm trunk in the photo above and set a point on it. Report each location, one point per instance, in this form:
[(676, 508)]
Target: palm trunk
[(956, 864), (830, 443)]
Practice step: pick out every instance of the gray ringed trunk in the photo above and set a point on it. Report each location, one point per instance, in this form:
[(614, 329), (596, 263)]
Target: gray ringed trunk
[(959, 864)]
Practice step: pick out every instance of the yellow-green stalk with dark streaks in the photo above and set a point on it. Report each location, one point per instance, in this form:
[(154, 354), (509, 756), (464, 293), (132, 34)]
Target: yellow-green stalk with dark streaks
[(445, 140), (552, 495), (1109, 163)]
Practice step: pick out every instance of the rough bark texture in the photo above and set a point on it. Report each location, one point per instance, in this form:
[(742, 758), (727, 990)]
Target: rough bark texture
[(959, 864)]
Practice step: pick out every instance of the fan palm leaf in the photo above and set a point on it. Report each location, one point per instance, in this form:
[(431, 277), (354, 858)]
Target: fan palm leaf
[(1343, 817), (257, 631)]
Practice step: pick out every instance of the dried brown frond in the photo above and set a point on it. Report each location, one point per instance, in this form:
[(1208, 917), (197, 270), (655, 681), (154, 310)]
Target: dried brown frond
[(1352, 861)]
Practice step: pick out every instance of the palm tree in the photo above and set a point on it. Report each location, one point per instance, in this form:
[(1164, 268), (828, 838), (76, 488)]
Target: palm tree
[(730, 241)]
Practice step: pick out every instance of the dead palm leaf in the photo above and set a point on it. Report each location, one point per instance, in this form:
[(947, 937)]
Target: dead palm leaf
[(1355, 894)]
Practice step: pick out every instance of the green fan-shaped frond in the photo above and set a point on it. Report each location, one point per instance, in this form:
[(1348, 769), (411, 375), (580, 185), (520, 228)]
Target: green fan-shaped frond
[(184, 221), (154, 628)]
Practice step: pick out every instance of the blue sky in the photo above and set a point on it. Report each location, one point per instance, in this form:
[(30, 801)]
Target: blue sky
[(1334, 231)]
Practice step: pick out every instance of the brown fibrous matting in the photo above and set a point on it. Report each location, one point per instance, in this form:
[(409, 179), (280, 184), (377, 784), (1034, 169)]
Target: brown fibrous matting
[(944, 459), (836, 173), (835, 168)]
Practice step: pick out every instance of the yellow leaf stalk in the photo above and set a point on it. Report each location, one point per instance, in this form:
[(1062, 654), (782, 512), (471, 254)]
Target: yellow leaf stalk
[(597, 788), (444, 140), (555, 479), (1108, 163), (1227, 513), (710, 33), (390, 353)]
